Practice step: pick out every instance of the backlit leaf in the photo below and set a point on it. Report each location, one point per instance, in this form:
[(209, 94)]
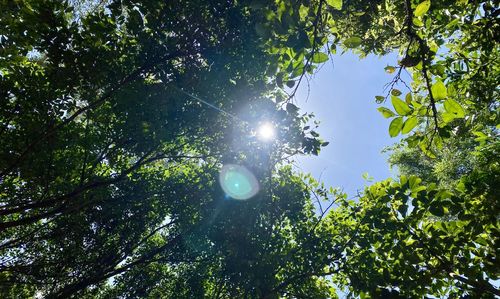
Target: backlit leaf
[(390, 69), (409, 124), (453, 107), (400, 106), (319, 57), (386, 112), (353, 42), (395, 126), (439, 90), (417, 22)]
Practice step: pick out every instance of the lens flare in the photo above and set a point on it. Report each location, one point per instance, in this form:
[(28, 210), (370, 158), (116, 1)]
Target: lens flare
[(266, 132), (238, 182)]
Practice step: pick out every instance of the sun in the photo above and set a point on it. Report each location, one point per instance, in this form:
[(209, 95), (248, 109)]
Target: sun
[(266, 131)]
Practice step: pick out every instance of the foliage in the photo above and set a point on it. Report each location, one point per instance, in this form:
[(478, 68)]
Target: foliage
[(434, 230), (107, 159), (116, 117)]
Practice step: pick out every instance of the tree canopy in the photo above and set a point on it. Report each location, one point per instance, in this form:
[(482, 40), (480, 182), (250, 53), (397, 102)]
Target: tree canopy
[(117, 116)]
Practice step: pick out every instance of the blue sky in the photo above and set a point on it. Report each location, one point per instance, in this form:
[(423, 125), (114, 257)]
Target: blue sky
[(342, 96)]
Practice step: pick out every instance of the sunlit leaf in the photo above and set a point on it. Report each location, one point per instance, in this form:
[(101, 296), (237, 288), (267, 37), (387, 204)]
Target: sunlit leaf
[(409, 124), (353, 42), (422, 8), (400, 106), (390, 69), (408, 98), (424, 146), (453, 107), (395, 126), (319, 57), (386, 112), (439, 90), (337, 4), (417, 22)]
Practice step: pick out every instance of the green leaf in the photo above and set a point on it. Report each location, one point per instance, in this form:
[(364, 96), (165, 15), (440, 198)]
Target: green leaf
[(438, 90), (482, 241), (297, 72), (401, 107), (366, 176), (409, 124), (353, 42), (396, 92), (410, 241), (390, 69), (333, 49), (422, 8), (417, 22), (448, 117), (319, 57), (414, 181), (481, 137), (425, 149), (303, 11), (386, 112), (408, 98), (416, 190), (379, 99), (395, 126), (453, 107), (337, 4)]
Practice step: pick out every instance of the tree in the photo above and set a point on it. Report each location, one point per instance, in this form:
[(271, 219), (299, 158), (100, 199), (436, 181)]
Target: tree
[(434, 230), (107, 161)]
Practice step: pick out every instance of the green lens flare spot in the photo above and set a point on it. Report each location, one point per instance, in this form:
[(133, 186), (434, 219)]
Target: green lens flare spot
[(238, 182)]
